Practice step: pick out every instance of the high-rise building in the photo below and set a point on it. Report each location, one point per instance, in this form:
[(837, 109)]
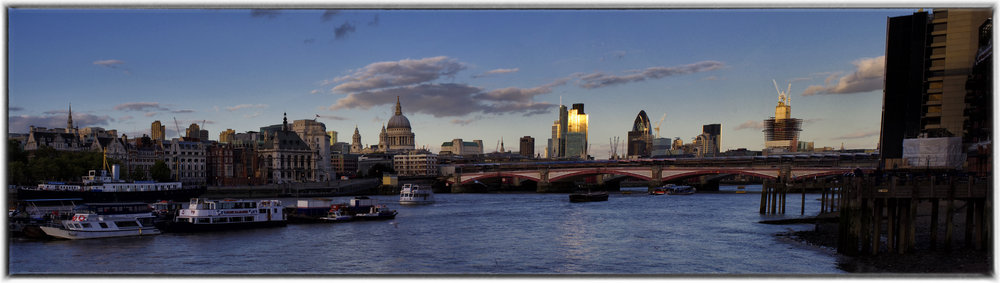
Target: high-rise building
[(781, 132), (193, 132), (227, 136), (930, 60), (713, 133), (333, 136), (640, 138), (157, 131), (527, 148)]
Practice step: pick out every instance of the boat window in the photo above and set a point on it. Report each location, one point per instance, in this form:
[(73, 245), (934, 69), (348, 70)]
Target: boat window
[(262, 210), (123, 224), (275, 210), (201, 220), (146, 222), (86, 225), (235, 219), (103, 225), (248, 218), (253, 205), (221, 220)]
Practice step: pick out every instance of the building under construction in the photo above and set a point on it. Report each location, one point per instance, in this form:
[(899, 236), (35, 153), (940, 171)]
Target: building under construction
[(781, 132)]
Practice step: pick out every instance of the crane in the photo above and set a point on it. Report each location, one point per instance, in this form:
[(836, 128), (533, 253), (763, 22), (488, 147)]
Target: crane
[(177, 127), (657, 127), (783, 96)]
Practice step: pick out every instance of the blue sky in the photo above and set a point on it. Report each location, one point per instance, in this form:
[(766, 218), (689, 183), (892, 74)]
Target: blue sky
[(480, 74)]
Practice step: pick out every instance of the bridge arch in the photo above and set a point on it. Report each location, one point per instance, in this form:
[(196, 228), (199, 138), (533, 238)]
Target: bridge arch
[(714, 172), (599, 172), (497, 175)]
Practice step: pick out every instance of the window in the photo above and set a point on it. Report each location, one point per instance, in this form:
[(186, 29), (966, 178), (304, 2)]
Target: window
[(124, 224), (201, 220), (103, 225), (86, 225)]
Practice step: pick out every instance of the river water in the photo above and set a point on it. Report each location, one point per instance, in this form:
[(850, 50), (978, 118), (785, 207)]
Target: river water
[(509, 233)]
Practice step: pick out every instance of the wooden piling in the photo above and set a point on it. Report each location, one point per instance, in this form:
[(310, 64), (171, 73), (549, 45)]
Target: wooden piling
[(970, 212), (763, 197), (803, 201), (891, 227), (935, 207), (877, 217), (949, 214)]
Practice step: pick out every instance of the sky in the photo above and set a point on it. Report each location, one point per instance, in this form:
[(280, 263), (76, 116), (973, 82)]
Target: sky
[(469, 74)]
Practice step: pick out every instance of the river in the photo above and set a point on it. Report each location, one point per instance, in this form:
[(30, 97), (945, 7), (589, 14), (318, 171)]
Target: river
[(505, 233)]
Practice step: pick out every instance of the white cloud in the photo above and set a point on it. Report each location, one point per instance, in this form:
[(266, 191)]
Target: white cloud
[(598, 80), (497, 72), (244, 106), (867, 76), (750, 125), (397, 73), (140, 106)]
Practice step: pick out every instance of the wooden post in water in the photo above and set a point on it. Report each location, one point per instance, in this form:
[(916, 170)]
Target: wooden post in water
[(804, 200), (877, 236), (970, 212), (774, 199), (949, 214), (822, 201), (935, 203), (763, 197)]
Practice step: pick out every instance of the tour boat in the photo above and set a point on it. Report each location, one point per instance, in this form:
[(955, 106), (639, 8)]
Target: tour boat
[(106, 220), (109, 188), (204, 215), (413, 194)]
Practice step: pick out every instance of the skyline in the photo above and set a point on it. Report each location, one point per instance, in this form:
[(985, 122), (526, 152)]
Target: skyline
[(478, 74)]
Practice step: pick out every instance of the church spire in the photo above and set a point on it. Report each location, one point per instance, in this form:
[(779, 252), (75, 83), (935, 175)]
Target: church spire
[(284, 123), (69, 122), (399, 109)]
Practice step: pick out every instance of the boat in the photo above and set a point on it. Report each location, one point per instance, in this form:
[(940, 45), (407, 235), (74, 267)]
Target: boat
[(741, 189), (336, 214), (227, 214), (106, 220), (308, 210), (109, 188), (364, 208), (413, 194), (26, 216), (588, 197), (658, 191), (681, 190)]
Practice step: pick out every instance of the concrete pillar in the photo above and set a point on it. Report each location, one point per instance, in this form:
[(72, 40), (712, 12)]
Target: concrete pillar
[(656, 171), (543, 181)]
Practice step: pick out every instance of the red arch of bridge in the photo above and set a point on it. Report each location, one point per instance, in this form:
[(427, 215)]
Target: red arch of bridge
[(599, 171), (497, 174), (713, 172)]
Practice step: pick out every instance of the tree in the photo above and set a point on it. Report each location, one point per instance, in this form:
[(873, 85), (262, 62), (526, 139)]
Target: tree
[(160, 171), (138, 174)]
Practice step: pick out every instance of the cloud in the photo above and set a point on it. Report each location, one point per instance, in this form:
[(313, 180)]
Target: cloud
[(125, 118), (399, 73), (463, 122), (264, 13), (113, 64), (598, 80), (859, 135), (14, 109), (496, 72), (255, 114), (750, 125), (867, 76), (150, 114), (521, 95), (315, 91), (331, 117), (343, 30), (329, 14), (182, 111), (243, 106), (21, 123), (140, 106), (711, 78), (439, 100)]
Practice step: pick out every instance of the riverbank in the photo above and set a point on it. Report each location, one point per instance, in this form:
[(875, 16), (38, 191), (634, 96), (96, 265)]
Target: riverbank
[(960, 259)]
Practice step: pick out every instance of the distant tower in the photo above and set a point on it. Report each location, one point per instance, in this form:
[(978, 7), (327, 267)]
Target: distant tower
[(158, 131), (640, 138), (69, 120), (356, 141), (781, 132)]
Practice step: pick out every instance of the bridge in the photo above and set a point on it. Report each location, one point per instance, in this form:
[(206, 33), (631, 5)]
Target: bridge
[(656, 172)]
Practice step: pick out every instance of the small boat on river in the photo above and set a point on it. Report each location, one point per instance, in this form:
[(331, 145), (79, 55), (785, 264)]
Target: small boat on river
[(414, 194), (227, 214), (106, 220), (681, 190), (588, 197), (364, 208)]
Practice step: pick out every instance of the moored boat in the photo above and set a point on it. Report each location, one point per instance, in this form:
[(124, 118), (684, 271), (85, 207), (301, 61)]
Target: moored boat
[(364, 208), (106, 220), (414, 194), (588, 197), (109, 188), (227, 214), (681, 190)]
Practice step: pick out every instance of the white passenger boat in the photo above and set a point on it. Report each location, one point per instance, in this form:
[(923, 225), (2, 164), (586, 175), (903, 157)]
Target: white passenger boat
[(105, 220), (413, 194), (204, 215)]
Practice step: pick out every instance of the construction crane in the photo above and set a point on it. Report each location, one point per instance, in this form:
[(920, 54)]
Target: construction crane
[(178, 127), (657, 127), (783, 96)]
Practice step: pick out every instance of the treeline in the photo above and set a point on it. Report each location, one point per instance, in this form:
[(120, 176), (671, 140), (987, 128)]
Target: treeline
[(47, 164)]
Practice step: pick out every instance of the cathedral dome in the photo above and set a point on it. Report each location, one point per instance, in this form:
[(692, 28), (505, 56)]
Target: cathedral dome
[(398, 121)]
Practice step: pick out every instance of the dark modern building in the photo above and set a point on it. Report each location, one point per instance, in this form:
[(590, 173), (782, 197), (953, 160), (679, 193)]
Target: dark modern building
[(527, 147), (932, 85)]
